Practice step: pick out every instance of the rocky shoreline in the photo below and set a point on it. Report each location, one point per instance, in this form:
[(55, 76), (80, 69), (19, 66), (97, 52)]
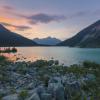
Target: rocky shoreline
[(48, 80)]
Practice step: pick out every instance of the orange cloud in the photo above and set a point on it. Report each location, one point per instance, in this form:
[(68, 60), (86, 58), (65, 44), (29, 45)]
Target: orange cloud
[(12, 20), (15, 21), (19, 22)]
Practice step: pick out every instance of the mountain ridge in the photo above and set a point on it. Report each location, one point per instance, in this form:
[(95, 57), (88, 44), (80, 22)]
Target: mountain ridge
[(47, 41), (8, 38), (88, 37)]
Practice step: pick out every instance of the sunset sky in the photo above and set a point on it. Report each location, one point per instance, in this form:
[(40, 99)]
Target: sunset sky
[(42, 18)]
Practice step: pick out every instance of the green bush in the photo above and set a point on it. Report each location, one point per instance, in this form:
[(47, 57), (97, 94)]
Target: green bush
[(2, 58), (92, 65), (9, 50), (23, 95)]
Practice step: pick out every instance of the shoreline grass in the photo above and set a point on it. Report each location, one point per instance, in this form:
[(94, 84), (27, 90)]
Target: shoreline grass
[(8, 50)]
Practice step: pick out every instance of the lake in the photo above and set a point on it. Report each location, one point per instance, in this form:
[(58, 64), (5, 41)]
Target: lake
[(65, 55)]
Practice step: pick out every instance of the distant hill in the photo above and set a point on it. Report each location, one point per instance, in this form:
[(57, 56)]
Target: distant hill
[(8, 38), (47, 41), (88, 37)]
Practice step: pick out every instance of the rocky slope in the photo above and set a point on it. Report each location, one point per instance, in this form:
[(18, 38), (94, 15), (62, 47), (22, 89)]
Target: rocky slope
[(88, 37), (47, 80)]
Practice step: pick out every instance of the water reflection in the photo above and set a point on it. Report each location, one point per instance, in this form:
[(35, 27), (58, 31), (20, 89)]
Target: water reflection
[(10, 56), (65, 55), (9, 52)]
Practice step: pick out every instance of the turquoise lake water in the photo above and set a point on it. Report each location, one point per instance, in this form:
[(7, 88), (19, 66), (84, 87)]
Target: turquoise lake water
[(65, 55)]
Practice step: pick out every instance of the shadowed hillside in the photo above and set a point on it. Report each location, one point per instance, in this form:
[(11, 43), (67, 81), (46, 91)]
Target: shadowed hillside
[(8, 38), (88, 37)]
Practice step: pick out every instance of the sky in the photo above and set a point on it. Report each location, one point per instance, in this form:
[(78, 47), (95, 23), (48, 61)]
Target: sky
[(42, 18)]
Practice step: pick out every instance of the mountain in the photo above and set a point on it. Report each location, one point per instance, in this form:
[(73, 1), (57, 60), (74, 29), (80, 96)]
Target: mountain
[(8, 38), (88, 37), (47, 41)]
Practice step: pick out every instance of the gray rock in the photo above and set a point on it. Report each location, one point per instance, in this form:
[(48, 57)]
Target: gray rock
[(31, 86), (35, 96), (11, 97), (46, 96), (56, 90), (40, 90), (75, 86), (51, 89), (72, 89), (91, 77), (59, 92)]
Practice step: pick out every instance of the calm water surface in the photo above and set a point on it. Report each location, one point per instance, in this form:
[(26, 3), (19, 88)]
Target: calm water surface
[(65, 55)]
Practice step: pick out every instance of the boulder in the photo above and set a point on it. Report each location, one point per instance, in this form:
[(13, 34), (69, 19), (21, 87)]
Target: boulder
[(11, 97), (46, 96), (59, 92), (56, 80), (56, 90), (40, 90), (35, 96)]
